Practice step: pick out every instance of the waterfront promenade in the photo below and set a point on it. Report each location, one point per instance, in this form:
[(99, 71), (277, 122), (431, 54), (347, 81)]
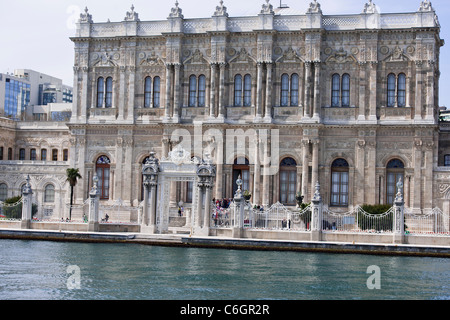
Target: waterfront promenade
[(190, 241)]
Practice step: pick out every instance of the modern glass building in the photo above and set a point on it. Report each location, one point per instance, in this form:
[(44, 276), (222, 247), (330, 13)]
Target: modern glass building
[(17, 97)]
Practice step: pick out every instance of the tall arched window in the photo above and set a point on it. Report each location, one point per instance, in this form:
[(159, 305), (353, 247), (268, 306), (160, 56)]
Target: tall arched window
[(201, 91), (294, 90), (148, 92), (103, 169), (395, 170), (3, 192), (391, 90), (339, 182), (401, 90), (100, 92), (340, 90), (49, 193), (109, 92), (156, 92), (336, 90), (22, 154), (43, 154), (238, 91), (247, 90), (192, 91), (345, 90), (288, 181), (284, 90)]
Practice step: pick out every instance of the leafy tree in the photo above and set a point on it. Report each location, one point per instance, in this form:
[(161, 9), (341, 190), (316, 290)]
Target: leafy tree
[(16, 211)]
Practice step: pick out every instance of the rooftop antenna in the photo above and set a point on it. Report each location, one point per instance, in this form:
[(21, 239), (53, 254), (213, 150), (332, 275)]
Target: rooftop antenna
[(283, 5)]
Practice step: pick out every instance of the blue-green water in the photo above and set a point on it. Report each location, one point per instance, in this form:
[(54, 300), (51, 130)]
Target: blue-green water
[(38, 270)]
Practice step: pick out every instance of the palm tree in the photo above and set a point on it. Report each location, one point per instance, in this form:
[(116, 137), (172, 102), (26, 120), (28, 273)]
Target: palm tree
[(72, 176)]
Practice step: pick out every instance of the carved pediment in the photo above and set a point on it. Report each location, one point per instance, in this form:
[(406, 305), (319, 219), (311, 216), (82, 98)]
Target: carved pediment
[(341, 56), (105, 59), (397, 55), (242, 57), (151, 60), (289, 56), (196, 58)]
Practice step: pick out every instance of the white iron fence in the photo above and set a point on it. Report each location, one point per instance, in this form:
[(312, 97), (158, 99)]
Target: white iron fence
[(278, 217)]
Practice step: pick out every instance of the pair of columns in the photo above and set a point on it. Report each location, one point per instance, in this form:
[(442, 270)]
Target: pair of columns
[(173, 83), (305, 166)]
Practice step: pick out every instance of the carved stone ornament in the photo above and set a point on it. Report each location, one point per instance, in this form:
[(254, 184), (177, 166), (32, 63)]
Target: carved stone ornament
[(221, 11), (151, 60), (132, 15), (426, 6), (86, 17), (370, 8), (176, 12), (397, 54), (341, 56), (178, 156), (267, 8), (314, 7)]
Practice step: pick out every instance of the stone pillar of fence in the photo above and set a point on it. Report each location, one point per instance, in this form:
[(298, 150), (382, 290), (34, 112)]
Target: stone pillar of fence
[(94, 201), (399, 216), (238, 225), (316, 215), (27, 205)]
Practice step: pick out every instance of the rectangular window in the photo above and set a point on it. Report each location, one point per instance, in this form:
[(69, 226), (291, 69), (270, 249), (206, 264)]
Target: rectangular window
[(44, 155), (339, 188), (54, 155), (33, 154), (22, 154), (1, 153), (447, 160), (65, 155)]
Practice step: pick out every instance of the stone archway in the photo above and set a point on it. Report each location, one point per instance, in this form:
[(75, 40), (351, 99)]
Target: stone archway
[(158, 179)]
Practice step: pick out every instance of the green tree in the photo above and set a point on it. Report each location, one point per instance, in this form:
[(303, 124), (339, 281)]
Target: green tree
[(15, 212), (72, 177)]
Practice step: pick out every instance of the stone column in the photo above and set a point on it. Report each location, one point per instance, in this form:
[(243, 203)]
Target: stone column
[(307, 90), (121, 104), (419, 88), (315, 162), (199, 213), (259, 91), (239, 200), (27, 205), (417, 202), (131, 93), (399, 216), (168, 91), (257, 173), (84, 93), (305, 169), (94, 199), (212, 104), (430, 92), (362, 91), (316, 215), (207, 214), (75, 112), (373, 91), (317, 90), (153, 204), (176, 102), (219, 175), (268, 111), (222, 91)]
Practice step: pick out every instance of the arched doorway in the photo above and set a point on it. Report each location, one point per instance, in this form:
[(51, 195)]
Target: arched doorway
[(241, 167), (103, 169), (395, 170), (288, 181)]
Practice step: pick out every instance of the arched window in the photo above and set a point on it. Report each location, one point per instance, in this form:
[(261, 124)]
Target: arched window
[(100, 92), (247, 90), (288, 181), (340, 90), (43, 154), (447, 160), (238, 91), (156, 92), (3, 192), (395, 170), (22, 154), (391, 90), (109, 92), (284, 90), (148, 92), (401, 90), (33, 155), (192, 91), (241, 168), (345, 90), (49, 193), (294, 90), (201, 91), (10, 154), (336, 91), (55, 155), (339, 182), (103, 169)]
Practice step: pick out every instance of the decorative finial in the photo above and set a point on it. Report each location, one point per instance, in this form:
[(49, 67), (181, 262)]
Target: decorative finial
[(426, 6), (267, 8), (176, 12), (370, 8), (221, 10), (314, 7), (85, 17), (131, 15)]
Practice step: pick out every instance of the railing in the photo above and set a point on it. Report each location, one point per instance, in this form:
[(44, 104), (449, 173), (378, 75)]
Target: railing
[(11, 212), (427, 222)]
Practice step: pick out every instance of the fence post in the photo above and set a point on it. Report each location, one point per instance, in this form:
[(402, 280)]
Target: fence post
[(316, 215), (399, 215), (94, 199), (27, 205)]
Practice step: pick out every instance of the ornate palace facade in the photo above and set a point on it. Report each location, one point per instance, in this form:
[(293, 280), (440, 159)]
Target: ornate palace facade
[(350, 101)]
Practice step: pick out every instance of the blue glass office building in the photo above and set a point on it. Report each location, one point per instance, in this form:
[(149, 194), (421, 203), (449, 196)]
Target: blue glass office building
[(17, 97)]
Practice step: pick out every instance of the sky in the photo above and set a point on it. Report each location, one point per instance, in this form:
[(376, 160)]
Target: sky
[(35, 33)]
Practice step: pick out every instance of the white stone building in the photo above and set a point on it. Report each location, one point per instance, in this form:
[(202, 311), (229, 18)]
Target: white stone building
[(350, 101)]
